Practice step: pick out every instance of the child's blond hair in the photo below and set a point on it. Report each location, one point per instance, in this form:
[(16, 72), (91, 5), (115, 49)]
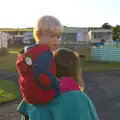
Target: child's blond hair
[(47, 25)]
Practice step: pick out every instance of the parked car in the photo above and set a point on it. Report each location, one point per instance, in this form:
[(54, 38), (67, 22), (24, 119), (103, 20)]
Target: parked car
[(18, 39)]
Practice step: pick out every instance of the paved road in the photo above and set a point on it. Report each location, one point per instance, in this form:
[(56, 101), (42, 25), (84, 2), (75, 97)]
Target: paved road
[(5, 75), (102, 87), (8, 111), (104, 90)]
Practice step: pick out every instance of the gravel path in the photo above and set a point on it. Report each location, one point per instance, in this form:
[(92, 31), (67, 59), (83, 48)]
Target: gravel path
[(102, 87)]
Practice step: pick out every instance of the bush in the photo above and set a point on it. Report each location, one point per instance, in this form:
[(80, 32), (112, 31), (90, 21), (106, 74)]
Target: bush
[(82, 56), (4, 96), (3, 51)]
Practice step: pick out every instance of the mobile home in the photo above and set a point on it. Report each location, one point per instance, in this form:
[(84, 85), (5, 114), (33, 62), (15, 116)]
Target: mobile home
[(75, 34), (76, 38), (96, 35)]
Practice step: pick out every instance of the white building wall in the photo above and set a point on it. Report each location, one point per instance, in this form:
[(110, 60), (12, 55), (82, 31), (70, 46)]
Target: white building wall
[(82, 36), (3, 40)]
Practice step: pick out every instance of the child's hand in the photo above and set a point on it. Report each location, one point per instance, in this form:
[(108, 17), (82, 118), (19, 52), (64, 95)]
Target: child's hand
[(82, 88)]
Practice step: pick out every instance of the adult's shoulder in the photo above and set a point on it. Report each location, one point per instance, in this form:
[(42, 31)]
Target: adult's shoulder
[(71, 97), (73, 105), (73, 94)]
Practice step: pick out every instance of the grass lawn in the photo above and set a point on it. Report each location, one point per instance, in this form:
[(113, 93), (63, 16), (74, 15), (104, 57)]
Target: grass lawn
[(8, 63), (8, 91), (100, 66)]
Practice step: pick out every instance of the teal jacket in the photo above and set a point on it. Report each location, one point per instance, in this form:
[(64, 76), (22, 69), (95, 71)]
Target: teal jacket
[(72, 104)]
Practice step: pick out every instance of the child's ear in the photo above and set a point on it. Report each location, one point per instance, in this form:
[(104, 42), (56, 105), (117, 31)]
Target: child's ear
[(36, 35)]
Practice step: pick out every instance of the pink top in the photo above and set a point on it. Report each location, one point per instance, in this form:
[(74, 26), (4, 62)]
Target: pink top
[(68, 84)]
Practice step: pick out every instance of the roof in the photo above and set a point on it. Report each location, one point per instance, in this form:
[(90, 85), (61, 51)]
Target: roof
[(74, 29), (101, 30)]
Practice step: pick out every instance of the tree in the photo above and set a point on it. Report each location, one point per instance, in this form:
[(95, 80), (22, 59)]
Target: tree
[(106, 26), (116, 32)]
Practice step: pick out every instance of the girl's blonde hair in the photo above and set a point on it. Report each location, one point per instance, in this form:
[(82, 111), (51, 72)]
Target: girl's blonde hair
[(68, 64), (47, 25)]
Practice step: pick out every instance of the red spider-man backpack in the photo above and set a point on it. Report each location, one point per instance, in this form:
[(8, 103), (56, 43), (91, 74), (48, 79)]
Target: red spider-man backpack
[(37, 87)]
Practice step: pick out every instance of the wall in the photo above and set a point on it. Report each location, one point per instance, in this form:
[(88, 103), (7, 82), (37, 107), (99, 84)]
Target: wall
[(74, 40), (28, 35), (3, 40), (74, 29), (82, 36), (105, 54)]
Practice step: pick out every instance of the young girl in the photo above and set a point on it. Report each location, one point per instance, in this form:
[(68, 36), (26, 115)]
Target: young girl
[(72, 104), (68, 68)]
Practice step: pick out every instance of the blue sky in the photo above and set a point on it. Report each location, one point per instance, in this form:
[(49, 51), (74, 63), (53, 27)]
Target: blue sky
[(78, 13)]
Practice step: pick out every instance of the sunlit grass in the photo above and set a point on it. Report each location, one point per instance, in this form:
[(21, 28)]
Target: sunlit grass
[(8, 91), (15, 49)]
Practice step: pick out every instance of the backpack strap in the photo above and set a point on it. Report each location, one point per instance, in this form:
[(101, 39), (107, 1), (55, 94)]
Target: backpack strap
[(42, 67), (42, 70)]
